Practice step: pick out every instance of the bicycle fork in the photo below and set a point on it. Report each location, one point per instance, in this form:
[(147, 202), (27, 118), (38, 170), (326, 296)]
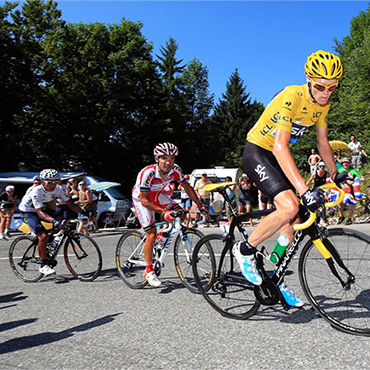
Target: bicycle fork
[(331, 254)]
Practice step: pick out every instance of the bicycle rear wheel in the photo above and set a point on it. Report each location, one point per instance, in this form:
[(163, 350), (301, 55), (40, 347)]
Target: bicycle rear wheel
[(216, 269), (182, 252), (24, 259), (130, 259), (83, 257), (347, 307)]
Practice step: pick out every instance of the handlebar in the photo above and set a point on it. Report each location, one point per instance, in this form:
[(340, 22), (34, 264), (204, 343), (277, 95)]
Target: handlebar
[(312, 218)]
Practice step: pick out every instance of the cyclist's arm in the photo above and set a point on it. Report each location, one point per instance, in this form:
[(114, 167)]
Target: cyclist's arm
[(325, 150), (286, 161), (43, 215), (144, 198), (192, 194), (74, 207)]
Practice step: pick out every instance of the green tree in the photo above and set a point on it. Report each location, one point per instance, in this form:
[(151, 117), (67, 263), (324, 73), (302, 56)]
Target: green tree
[(349, 111), (233, 117)]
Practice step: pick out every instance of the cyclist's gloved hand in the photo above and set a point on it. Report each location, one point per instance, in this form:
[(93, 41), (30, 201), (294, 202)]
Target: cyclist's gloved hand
[(314, 199), (56, 224), (341, 178), (169, 216)]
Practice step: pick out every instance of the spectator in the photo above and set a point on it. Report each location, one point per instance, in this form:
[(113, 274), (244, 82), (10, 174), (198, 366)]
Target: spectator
[(313, 159), (349, 200), (319, 178), (204, 196), (230, 191), (8, 202), (73, 194), (355, 150), (346, 166), (245, 198), (185, 200), (338, 158), (265, 201), (36, 182), (86, 203)]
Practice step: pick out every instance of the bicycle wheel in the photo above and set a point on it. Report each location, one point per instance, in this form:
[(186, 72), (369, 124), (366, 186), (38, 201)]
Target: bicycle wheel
[(347, 307), (130, 259), (182, 253), (83, 257), (229, 293), (24, 259)]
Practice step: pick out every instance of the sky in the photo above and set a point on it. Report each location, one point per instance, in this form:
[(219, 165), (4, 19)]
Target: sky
[(267, 41)]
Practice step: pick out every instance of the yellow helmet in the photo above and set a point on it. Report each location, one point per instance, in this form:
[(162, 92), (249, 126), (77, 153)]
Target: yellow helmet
[(323, 65)]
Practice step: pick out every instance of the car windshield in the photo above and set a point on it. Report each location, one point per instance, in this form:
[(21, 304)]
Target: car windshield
[(114, 192)]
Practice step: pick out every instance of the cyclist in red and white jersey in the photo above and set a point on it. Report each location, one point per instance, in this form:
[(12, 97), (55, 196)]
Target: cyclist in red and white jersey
[(149, 199)]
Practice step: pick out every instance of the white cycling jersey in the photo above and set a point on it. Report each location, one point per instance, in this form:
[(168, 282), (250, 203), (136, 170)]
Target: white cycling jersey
[(39, 197)]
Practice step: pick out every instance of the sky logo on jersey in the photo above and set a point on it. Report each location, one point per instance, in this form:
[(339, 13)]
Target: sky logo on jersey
[(261, 172)]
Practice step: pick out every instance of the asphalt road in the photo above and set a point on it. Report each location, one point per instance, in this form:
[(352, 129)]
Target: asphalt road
[(62, 323)]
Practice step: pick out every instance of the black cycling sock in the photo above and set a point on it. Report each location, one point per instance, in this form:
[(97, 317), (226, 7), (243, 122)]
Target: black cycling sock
[(43, 263), (246, 249)]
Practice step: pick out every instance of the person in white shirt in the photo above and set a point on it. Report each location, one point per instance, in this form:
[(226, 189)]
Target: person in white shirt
[(34, 208), (355, 151)]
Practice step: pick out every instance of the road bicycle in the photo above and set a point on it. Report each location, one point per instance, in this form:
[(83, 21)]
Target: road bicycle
[(333, 268), (361, 212), (130, 253), (81, 253)]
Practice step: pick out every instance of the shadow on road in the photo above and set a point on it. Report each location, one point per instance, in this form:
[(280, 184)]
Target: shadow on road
[(10, 298), (14, 324), (37, 340)]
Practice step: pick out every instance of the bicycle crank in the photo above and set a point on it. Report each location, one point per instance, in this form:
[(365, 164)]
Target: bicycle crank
[(267, 293)]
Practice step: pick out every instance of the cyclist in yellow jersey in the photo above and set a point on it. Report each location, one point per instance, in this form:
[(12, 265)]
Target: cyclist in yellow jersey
[(268, 161)]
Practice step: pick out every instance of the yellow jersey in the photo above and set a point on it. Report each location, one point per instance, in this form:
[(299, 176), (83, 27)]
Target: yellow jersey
[(290, 110)]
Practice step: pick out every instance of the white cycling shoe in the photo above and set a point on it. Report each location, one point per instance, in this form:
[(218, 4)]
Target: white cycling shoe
[(46, 270), (152, 278)]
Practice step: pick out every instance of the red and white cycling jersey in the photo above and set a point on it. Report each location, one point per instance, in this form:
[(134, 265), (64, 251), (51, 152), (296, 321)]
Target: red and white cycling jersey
[(149, 180)]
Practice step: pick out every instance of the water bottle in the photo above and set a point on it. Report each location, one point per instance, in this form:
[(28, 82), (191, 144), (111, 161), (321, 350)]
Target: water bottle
[(279, 249), (52, 246), (161, 239)]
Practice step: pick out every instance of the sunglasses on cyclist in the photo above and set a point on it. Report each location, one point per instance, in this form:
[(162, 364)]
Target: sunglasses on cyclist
[(51, 182), (321, 87)]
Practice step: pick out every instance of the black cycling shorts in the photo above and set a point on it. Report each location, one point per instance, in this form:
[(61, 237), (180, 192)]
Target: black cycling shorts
[(262, 167)]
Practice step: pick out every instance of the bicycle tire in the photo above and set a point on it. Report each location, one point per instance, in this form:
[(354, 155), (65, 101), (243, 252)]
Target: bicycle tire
[(345, 309), (83, 257), (229, 293), (182, 253), (24, 259), (128, 251)]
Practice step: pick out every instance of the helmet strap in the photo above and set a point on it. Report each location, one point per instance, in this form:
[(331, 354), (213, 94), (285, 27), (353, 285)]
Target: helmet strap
[(310, 90)]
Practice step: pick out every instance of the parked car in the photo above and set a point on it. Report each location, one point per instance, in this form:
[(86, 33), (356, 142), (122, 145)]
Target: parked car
[(112, 204)]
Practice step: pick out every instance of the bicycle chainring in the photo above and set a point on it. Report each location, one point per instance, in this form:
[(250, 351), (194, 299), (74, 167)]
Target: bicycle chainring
[(267, 293)]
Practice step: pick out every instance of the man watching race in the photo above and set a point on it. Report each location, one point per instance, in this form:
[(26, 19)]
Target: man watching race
[(268, 161), (34, 209), (148, 199)]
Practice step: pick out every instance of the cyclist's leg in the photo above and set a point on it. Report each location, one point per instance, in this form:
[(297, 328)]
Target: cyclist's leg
[(34, 223), (147, 222)]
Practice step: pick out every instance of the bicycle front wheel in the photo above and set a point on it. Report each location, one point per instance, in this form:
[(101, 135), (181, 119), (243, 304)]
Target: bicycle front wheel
[(24, 259), (83, 257), (219, 279), (182, 253), (340, 294), (130, 259)]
